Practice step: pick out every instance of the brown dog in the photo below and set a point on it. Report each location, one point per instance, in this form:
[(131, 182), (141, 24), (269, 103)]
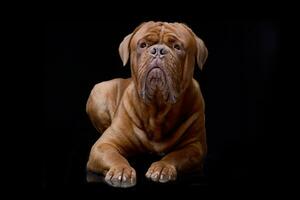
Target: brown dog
[(159, 110)]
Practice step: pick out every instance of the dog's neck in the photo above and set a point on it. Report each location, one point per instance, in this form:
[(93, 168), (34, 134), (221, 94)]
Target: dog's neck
[(153, 116)]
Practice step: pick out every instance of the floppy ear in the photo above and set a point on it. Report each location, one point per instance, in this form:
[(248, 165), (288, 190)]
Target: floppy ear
[(124, 49), (202, 52)]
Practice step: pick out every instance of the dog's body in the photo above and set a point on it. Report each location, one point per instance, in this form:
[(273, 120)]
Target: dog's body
[(159, 110)]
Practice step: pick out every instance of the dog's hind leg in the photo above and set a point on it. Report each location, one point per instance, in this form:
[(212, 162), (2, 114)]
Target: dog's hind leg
[(103, 102)]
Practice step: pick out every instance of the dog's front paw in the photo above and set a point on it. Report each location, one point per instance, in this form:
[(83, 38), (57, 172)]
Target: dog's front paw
[(161, 172), (121, 176)]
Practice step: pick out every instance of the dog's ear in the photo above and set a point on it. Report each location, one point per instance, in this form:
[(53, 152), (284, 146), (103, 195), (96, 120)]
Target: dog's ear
[(202, 52), (124, 50)]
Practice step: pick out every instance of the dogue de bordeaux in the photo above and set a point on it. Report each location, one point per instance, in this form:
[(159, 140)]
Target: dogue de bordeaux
[(159, 110)]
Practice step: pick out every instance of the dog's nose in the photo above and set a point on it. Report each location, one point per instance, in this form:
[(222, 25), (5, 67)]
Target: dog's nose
[(159, 50)]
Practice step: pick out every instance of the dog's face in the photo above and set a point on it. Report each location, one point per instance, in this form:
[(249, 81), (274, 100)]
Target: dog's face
[(162, 59)]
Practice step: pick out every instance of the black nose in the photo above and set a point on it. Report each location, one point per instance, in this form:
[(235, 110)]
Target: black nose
[(158, 50)]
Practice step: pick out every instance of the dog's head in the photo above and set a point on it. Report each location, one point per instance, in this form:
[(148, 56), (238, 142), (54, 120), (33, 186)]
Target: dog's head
[(162, 58)]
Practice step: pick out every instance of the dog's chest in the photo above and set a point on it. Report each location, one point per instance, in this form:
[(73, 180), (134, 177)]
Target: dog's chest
[(157, 129)]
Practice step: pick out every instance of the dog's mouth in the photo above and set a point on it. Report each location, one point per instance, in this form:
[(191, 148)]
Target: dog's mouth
[(156, 79), (159, 81), (157, 87)]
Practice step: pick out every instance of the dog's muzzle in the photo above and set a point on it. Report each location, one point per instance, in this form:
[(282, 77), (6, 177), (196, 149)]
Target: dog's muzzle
[(155, 81), (157, 84)]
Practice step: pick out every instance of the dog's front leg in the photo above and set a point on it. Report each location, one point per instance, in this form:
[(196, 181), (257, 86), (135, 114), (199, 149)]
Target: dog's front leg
[(187, 159), (106, 158)]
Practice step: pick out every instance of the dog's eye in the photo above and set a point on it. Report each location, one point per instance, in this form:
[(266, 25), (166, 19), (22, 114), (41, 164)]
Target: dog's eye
[(177, 46), (143, 45)]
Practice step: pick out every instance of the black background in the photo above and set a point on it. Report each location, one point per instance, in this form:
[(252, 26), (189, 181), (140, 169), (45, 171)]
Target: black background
[(238, 82)]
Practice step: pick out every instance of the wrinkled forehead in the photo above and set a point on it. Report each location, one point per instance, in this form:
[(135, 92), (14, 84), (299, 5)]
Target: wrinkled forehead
[(163, 30)]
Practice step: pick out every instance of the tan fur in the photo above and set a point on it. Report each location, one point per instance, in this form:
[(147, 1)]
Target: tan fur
[(168, 119)]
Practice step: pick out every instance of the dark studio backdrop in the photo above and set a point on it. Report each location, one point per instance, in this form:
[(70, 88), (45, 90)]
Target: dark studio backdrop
[(237, 81)]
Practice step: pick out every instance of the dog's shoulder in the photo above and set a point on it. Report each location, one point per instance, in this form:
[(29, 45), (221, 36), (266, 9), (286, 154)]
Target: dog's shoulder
[(115, 85)]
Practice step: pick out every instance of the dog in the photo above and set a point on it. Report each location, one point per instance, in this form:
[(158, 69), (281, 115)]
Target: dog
[(159, 110)]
